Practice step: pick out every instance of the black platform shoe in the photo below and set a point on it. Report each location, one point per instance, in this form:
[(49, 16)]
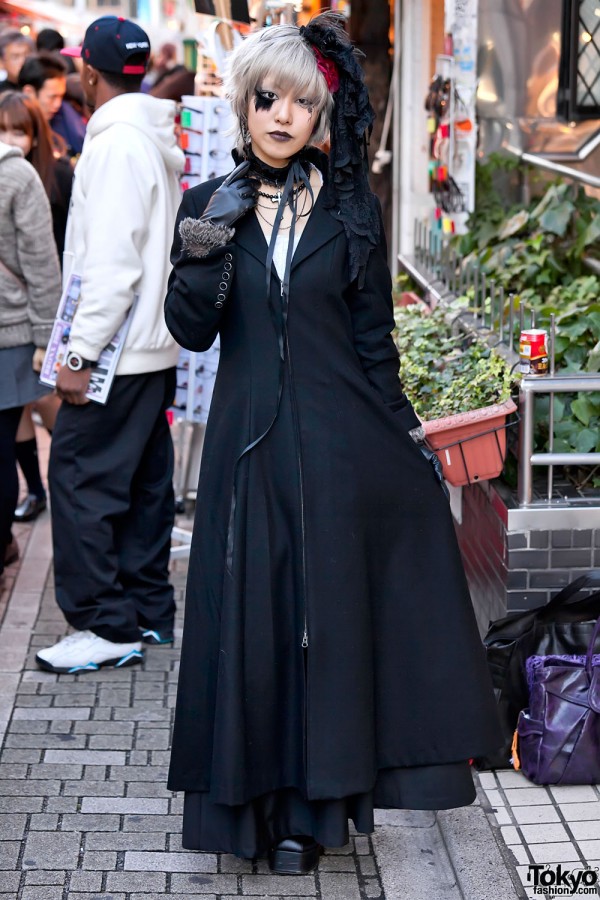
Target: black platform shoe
[(295, 856), (30, 508)]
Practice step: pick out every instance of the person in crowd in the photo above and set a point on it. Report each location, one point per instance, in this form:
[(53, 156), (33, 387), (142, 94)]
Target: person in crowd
[(170, 79), (111, 466), (29, 295), (44, 77), (331, 661), (23, 125), (14, 50)]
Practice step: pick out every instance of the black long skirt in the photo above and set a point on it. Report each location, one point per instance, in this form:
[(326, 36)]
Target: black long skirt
[(250, 830)]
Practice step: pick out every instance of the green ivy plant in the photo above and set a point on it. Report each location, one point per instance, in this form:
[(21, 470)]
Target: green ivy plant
[(445, 373)]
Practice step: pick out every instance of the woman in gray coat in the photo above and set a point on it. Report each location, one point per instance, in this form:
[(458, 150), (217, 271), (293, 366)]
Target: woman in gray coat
[(29, 295)]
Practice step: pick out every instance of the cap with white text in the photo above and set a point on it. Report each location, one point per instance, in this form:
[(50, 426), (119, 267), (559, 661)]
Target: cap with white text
[(110, 44)]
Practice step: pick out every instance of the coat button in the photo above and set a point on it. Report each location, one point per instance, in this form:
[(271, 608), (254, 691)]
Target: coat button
[(220, 296), (225, 276), (228, 257), (223, 286), (219, 304), (227, 266)]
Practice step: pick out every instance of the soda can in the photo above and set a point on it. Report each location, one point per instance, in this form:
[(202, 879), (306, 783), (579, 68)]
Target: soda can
[(533, 352)]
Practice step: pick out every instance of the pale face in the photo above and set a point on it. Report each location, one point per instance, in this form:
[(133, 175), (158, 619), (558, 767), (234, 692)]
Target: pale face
[(13, 58), (280, 123), (15, 137), (50, 96)]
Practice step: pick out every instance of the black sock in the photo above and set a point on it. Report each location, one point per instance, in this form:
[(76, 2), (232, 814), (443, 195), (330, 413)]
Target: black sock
[(27, 457)]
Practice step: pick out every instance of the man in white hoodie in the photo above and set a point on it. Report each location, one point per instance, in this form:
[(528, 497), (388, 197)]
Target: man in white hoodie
[(111, 466)]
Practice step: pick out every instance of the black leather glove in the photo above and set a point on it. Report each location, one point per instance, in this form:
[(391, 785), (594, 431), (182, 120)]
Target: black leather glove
[(436, 466), (233, 199)]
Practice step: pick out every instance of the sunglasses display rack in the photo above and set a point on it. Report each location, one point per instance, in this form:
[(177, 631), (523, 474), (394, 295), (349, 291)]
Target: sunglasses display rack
[(205, 138)]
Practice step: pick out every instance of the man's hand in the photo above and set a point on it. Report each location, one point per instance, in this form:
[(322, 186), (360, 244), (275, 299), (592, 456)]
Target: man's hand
[(72, 386)]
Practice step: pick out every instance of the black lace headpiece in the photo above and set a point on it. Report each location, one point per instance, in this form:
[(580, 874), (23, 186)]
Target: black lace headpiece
[(348, 195)]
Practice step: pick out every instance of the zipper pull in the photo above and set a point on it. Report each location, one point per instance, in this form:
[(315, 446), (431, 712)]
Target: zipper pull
[(305, 638)]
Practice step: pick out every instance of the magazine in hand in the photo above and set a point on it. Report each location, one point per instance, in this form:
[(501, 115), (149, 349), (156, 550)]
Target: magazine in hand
[(103, 373)]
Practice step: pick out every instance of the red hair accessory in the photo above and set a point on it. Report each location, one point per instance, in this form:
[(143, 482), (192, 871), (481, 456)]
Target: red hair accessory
[(329, 70)]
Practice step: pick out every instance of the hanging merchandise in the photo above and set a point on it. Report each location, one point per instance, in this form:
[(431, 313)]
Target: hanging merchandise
[(205, 138)]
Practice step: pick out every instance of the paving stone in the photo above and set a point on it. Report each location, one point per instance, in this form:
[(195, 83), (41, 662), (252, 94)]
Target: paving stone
[(21, 755), (105, 861), (94, 788), (51, 851), (45, 876), (532, 815), (64, 713), (149, 789), (338, 864), (577, 812), (28, 727), (85, 881), (9, 882), (280, 885), (230, 864), (138, 773), (12, 826), (90, 822), (52, 743), (544, 833), (100, 896), (152, 740), (171, 862), (62, 804), (125, 840), (29, 788), (95, 727), (86, 757), (563, 851), (338, 887), (143, 881), (152, 823), (203, 883), (52, 770), (21, 804), (48, 892), (122, 805), (44, 822), (14, 770), (9, 854)]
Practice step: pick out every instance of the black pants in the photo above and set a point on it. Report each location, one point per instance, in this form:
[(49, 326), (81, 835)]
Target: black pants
[(9, 479), (110, 477)]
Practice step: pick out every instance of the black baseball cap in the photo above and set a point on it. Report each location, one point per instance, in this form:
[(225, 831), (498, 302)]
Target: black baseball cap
[(110, 42)]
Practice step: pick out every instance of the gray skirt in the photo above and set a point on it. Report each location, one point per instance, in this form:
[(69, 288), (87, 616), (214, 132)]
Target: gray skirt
[(19, 384)]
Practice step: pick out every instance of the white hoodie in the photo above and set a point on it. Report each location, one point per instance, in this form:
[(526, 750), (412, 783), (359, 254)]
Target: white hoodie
[(125, 199)]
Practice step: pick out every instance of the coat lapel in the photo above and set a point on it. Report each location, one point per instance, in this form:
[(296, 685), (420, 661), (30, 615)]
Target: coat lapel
[(320, 229)]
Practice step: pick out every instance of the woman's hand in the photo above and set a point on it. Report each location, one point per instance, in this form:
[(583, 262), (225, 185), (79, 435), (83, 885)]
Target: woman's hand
[(38, 359), (233, 199)]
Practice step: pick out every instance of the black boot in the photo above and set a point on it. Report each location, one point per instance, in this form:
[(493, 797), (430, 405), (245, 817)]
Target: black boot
[(295, 856)]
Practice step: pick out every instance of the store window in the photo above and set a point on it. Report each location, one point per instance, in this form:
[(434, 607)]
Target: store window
[(579, 81)]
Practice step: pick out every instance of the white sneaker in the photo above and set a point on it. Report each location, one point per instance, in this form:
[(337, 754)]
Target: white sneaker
[(84, 651)]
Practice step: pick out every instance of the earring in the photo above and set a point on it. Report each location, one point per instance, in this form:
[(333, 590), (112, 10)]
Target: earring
[(91, 82), (246, 136)]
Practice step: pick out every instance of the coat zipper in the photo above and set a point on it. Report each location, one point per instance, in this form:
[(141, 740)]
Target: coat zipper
[(301, 481)]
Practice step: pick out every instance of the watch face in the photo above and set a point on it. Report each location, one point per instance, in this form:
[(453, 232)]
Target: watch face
[(74, 362)]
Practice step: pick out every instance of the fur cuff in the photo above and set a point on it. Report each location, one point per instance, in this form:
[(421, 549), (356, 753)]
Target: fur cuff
[(200, 236)]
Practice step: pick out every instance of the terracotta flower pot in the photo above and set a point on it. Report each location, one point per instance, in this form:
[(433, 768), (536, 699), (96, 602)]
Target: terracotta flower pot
[(472, 445)]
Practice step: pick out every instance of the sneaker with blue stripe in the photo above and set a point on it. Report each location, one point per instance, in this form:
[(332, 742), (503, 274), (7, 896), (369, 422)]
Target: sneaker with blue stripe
[(84, 651), (152, 636)]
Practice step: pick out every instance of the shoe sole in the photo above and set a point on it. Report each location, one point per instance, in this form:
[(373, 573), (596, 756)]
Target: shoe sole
[(131, 659), (29, 517), (290, 862), (153, 638)]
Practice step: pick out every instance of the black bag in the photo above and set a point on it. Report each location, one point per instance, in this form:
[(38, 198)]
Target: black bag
[(562, 626)]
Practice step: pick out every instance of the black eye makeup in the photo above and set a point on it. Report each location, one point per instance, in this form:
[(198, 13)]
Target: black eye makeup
[(263, 100)]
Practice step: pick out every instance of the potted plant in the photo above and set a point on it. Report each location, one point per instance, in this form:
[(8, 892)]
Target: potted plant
[(461, 391)]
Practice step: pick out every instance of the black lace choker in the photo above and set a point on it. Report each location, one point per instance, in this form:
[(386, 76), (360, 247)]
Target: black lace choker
[(276, 177)]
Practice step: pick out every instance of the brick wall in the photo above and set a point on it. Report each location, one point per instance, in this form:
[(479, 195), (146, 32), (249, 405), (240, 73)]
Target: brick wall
[(518, 570)]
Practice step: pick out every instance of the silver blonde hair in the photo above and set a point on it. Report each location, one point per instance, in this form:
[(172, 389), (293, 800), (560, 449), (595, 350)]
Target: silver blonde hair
[(277, 52)]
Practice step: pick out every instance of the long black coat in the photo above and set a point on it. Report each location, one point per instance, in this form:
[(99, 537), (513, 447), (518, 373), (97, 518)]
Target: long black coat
[(340, 538)]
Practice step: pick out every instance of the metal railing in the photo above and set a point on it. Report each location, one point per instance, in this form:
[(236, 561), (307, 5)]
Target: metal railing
[(438, 271)]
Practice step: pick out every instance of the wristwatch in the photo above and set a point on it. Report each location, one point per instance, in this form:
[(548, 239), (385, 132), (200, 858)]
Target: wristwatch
[(76, 362)]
